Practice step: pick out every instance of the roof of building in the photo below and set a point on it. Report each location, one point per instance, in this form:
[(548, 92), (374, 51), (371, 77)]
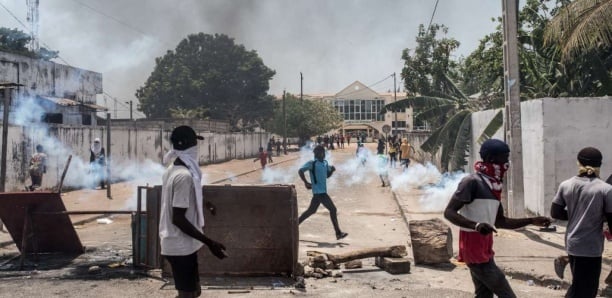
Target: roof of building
[(69, 102)]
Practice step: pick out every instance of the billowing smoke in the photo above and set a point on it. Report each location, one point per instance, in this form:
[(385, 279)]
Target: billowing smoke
[(28, 113), (438, 188)]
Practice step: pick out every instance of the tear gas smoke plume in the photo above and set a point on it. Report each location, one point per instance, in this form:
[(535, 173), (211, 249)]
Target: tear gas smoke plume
[(28, 113)]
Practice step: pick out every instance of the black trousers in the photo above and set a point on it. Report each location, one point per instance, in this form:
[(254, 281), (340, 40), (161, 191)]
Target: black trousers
[(585, 276), (488, 280), (317, 200)]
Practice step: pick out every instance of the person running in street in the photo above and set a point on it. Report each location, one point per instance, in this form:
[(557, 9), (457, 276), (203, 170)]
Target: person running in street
[(181, 219), (320, 170), (585, 201), (262, 157), (382, 168), (476, 208)]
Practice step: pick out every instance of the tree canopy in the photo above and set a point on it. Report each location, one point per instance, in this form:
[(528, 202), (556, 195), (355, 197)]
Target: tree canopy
[(16, 41), (213, 74), (305, 118)]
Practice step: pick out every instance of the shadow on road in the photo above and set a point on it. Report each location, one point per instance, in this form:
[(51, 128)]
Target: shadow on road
[(324, 244)]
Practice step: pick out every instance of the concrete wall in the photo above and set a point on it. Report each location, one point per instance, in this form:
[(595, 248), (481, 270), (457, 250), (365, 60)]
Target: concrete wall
[(130, 149), (554, 130), (47, 78)]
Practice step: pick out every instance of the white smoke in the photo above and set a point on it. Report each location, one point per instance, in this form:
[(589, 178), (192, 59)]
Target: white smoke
[(438, 188), (28, 113)]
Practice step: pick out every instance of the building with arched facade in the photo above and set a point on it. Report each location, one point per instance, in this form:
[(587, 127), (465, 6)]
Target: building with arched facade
[(360, 107)]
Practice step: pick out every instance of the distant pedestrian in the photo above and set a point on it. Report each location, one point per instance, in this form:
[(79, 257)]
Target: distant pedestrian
[(278, 148), (269, 150), (337, 137), (262, 157), (342, 141), (348, 140), (320, 170), (382, 168), (406, 151), (361, 153), (181, 218), (393, 155), (585, 201), (97, 163), (38, 167), (380, 146), (476, 208)]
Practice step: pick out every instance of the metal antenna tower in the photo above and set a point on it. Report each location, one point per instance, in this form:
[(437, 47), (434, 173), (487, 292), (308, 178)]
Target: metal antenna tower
[(33, 20)]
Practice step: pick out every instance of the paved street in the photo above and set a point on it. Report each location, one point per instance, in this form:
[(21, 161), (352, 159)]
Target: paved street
[(367, 211)]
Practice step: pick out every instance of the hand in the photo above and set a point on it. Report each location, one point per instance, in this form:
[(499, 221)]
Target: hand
[(217, 249), (485, 228), (308, 185), (333, 169), (540, 221)]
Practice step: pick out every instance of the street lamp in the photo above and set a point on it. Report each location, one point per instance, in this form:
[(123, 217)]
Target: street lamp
[(130, 103)]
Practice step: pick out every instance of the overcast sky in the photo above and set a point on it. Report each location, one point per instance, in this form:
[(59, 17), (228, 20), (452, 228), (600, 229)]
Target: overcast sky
[(332, 42)]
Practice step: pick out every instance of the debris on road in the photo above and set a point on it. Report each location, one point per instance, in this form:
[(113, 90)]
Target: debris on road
[(432, 241)]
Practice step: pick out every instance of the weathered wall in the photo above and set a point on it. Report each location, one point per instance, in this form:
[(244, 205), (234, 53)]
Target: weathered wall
[(130, 148), (47, 78), (554, 130)]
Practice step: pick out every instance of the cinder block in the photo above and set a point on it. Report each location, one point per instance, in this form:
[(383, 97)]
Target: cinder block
[(393, 265)]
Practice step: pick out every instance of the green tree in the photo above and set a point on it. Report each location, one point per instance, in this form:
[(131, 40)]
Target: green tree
[(15, 41), (581, 26), (305, 118), (210, 72), (436, 99)]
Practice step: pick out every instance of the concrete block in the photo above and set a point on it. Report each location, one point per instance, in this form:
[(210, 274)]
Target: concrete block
[(393, 265)]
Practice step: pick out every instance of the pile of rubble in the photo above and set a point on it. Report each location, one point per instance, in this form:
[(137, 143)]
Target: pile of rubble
[(319, 264)]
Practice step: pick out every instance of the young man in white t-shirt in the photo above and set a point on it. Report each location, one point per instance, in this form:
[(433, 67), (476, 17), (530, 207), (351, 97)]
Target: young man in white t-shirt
[(181, 217)]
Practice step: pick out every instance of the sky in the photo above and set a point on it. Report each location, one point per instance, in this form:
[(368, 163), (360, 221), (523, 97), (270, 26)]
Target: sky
[(331, 42)]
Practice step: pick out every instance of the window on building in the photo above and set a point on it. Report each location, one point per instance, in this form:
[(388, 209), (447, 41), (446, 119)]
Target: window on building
[(398, 124)]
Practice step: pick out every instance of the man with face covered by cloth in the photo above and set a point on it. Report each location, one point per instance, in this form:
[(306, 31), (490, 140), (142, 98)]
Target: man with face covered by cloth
[(182, 215), (585, 201), (476, 208)]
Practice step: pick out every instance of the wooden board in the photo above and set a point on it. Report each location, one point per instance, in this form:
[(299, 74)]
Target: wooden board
[(52, 233), (257, 224)]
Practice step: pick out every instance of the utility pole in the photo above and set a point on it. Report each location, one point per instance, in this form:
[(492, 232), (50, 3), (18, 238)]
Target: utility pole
[(396, 125), (5, 122), (512, 123), (284, 123), (301, 87), (130, 102)]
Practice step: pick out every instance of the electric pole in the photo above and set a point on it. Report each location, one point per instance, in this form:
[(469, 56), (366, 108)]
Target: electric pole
[(284, 123), (512, 123), (301, 87), (130, 102), (395, 100)]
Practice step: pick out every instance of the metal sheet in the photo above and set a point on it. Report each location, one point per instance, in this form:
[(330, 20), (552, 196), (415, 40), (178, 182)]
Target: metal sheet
[(52, 233), (257, 224)]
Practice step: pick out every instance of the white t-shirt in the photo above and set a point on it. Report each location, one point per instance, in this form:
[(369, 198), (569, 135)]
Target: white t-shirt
[(177, 191)]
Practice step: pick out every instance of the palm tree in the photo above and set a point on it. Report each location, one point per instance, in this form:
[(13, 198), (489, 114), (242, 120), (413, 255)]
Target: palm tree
[(581, 26), (450, 112)]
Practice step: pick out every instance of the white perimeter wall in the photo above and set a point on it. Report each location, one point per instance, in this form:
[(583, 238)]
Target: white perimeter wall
[(554, 130), (130, 147)]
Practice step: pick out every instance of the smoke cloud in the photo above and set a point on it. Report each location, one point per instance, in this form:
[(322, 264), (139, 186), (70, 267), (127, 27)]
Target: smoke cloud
[(333, 43)]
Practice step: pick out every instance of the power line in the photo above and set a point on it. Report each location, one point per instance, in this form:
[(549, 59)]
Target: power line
[(432, 15), (63, 60), (370, 86), (133, 28)]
